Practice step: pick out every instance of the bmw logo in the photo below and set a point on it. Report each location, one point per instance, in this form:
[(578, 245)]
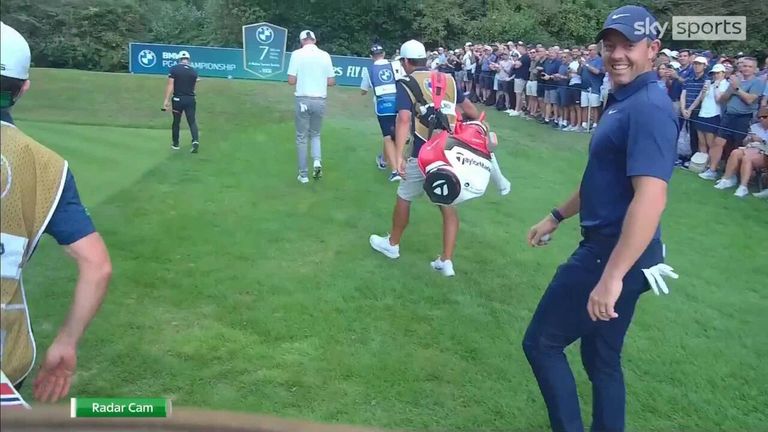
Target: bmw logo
[(147, 58), (428, 85), (385, 75), (265, 34)]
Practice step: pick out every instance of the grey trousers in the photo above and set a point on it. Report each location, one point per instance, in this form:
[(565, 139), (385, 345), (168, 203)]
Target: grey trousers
[(309, 120)]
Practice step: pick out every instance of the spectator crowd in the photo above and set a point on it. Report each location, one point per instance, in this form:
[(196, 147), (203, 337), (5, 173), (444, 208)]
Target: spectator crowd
[(722, 100)]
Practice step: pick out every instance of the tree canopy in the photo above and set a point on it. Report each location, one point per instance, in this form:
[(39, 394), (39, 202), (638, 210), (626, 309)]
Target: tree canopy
[(94, 34)]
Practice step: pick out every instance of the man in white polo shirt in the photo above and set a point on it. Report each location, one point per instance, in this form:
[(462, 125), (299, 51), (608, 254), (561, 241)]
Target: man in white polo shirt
[(311, 71)]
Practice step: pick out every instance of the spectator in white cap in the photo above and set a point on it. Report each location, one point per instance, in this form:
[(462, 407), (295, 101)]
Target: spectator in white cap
[(311, 71), (39, 195), (708, 120), (691, 98)]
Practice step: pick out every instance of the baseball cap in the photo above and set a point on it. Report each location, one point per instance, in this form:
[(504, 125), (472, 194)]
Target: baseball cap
[(183, 54), (468, 44), (307, 34), (701, 59), (14, 53), (624, 19), (717, 68), (377, 49), (413, 49)]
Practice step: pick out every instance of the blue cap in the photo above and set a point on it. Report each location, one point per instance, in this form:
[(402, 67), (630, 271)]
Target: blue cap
[(634, 22), (377, 49)]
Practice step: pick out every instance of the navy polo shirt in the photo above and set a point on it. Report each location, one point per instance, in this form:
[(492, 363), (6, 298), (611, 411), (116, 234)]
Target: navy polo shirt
[(636, 136), (403, 102), (693, 87)]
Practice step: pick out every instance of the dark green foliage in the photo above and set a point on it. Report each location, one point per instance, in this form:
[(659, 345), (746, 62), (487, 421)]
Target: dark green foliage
[(94, 34)]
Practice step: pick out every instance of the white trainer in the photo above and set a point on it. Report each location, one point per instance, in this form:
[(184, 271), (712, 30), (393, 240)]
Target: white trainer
[(444, 267), (302, 179), (741, 191), (708, 175), (762, 194), (382, 245), (726, 182)]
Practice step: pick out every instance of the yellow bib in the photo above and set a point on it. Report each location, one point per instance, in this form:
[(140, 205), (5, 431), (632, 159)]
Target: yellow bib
[(31, 184), (448, 107)]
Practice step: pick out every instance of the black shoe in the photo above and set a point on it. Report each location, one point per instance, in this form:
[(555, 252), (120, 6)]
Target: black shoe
[(175, 146), (195, 146), (317, 173)]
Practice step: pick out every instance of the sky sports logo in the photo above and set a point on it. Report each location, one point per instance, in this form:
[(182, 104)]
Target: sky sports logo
[(698, 28)]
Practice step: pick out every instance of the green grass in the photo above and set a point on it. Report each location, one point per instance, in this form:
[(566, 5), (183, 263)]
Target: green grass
[(237, 288)]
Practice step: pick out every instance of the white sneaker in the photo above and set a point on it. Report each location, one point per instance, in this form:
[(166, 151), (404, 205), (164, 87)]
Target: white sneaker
[(444, 267), (317, 164), (382, 245), (514, 113), (741, 191), (725, 183), (302, 179), (762, 194), (708, 175)]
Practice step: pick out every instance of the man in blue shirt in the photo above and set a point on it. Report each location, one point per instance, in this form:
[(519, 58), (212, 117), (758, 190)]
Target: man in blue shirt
[(621, 199), (592, 74), (69, 224), (690, 100)]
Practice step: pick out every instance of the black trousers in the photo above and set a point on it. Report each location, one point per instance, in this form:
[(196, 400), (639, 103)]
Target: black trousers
[(186, 105)]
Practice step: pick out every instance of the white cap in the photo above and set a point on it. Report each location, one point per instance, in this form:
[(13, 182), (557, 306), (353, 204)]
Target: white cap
[(674, 54), (413, 49), (675, 64), (700, 59), (468, 44), (14, 53), (666, 51), (717, 68), (183, 54), (307, 34)]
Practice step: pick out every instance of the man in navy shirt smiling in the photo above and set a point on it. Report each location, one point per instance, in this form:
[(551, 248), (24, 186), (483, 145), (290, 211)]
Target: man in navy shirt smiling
[(621, 199)]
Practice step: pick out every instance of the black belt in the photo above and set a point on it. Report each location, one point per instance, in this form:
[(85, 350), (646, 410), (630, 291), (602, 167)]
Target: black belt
[(598, 235)]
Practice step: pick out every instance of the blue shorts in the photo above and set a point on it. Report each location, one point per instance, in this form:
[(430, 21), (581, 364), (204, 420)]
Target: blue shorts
[(708, 124), (387, 125), (734, 127)]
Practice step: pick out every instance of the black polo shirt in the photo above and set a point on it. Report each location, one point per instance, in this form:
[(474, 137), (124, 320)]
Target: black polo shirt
[(184, 79)]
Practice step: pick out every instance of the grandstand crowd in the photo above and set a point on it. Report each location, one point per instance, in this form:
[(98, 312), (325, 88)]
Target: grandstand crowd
[(722, 100)]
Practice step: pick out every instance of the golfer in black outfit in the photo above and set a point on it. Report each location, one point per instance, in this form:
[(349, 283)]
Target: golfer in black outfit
[(181, 81)]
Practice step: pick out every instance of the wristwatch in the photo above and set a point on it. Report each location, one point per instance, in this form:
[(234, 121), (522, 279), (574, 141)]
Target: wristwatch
[(557, 215)]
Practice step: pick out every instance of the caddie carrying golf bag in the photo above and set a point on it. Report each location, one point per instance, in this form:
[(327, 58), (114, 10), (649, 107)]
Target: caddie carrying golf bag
[(456, 163)]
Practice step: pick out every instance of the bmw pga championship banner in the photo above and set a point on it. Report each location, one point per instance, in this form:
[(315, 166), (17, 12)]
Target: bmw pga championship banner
[(263, 58)]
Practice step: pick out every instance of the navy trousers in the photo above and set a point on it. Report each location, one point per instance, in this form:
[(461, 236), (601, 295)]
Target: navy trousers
[(561, 318)]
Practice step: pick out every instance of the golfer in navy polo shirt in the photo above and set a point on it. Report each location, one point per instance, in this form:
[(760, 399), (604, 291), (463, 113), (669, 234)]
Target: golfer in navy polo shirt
[(621, 198)]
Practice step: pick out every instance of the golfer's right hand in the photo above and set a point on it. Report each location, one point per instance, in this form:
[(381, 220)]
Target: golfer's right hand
[(547, 226), (166, 105)]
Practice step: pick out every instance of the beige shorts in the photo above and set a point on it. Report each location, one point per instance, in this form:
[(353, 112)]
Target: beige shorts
[(531, 87), (590, 100), (520, 85), (412, 186)]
